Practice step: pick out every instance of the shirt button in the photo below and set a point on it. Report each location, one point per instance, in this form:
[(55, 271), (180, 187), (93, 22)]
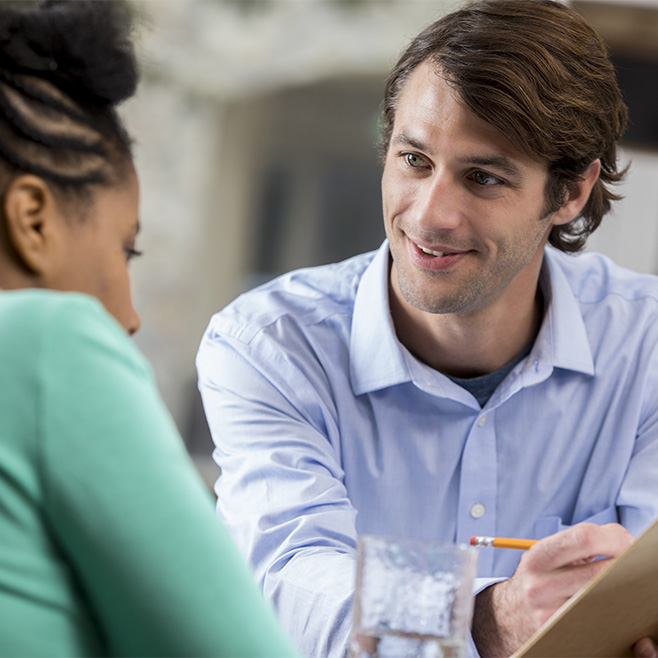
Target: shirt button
[(477, 510), (483, 420)]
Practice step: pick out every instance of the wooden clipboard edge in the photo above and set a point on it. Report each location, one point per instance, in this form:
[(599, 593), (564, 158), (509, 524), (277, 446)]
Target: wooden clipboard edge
[(615, 563)]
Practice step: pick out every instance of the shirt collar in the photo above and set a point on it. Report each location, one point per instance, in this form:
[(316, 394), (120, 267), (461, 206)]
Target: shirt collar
[(377, 356), (562, 341)]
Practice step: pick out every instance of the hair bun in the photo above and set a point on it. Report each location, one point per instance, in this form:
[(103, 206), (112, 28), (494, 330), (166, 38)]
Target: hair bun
[(81, 46)]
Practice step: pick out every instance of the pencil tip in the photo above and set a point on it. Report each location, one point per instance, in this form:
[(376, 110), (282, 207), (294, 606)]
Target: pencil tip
[(472, 541)]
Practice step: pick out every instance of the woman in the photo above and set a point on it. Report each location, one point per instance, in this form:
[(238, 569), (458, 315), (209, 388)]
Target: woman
[(108, 540)]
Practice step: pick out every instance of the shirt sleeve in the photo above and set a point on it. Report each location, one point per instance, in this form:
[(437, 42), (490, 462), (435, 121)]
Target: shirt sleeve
[(637, 503), (128, 510), (281, 491)]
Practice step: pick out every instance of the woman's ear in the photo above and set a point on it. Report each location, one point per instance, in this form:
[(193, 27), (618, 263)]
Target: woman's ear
[(31, 216), (578, 194)]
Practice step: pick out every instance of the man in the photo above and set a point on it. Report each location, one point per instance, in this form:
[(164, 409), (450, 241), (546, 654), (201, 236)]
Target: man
[(466, 378)]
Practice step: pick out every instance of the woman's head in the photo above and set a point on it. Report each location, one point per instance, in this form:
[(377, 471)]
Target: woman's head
[(65, 157), (536, 71)]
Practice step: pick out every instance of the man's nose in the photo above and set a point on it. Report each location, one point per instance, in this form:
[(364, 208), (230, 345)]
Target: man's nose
[(440, 202)]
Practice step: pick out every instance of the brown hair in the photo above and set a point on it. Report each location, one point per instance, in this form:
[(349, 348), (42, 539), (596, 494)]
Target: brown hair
[(541, 75)]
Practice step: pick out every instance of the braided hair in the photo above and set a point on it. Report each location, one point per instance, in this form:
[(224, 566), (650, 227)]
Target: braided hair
[(64, 67)]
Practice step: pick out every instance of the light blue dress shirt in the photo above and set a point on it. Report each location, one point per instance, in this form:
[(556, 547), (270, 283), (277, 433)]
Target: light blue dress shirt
[(326, 426)]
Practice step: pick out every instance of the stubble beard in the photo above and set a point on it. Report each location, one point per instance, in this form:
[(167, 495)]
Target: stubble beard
[(464, 297), (478, 288)]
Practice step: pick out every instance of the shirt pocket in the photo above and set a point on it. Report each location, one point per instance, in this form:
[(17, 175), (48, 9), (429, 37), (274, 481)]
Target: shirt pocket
[(549, 525)]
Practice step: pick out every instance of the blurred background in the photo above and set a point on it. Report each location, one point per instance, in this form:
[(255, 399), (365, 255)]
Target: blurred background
[(256, 144)]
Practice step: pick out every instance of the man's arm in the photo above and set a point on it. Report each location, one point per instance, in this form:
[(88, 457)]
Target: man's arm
[(553, 570), (281, 491)]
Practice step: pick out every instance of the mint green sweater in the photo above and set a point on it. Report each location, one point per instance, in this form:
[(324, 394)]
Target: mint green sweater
[(109, 544)]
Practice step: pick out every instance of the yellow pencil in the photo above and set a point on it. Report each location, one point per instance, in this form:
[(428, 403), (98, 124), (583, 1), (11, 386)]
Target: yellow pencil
[(503, 542)]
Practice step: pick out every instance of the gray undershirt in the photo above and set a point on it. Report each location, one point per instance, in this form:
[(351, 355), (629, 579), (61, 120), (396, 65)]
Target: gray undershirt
[(483, 386)]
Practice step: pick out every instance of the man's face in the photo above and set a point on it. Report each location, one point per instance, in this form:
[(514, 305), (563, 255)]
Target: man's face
[(462, 205)]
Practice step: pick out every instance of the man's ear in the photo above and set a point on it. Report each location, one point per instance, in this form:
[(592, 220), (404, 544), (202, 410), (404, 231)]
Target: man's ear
[(30, 213), (578, 194)]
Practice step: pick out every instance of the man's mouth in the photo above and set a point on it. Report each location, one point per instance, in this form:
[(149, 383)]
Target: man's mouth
[(429, 252)]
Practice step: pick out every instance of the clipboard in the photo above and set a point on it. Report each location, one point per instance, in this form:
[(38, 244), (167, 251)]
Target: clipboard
[(612, 612)]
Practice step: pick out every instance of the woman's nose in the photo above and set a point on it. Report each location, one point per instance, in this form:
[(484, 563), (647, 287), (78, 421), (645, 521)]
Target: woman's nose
[(134, 323)]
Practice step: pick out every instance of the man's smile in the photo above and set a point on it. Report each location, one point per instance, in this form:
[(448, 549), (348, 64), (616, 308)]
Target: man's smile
[(436, 254)]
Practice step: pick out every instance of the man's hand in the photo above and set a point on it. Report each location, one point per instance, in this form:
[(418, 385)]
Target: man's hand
[(551, 572)]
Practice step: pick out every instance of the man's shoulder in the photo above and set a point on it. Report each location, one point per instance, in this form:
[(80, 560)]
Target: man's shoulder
[(594, 278), (305, 297)]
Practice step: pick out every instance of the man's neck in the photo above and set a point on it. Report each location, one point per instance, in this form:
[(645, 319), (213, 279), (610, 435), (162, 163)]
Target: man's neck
[(468, 345)]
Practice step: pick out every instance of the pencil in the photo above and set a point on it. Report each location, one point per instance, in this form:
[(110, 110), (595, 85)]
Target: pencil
[(503, 542)]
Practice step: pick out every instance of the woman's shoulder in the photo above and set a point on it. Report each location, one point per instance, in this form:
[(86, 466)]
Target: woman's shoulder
[(33, 304), (43, 320)]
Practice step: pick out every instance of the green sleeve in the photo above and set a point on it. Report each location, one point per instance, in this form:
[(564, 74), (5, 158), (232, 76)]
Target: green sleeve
[(128, 509)]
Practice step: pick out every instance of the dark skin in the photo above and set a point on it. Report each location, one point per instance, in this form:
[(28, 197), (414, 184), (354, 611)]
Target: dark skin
[(46, 243)]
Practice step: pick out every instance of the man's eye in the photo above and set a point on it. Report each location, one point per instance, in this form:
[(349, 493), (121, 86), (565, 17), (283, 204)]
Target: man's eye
[(414, 160), (483, 178)]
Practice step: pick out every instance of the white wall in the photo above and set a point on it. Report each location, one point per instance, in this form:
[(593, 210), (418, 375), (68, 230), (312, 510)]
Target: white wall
[(630, 233)]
